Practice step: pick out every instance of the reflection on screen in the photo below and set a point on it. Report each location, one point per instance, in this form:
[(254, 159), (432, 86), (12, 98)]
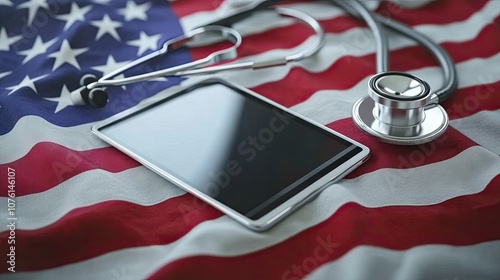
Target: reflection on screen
[(232, 146)]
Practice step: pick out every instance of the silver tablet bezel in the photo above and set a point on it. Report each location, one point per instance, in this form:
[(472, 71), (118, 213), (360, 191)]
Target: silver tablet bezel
[(274, 216)]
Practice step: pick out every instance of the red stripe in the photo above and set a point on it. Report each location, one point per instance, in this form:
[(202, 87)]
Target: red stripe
[(349, 70), (460, 221), (91, 231), (451, 143), (166, 222), (437, 12), (278, 38), (48, 164), (184, 8), (469, 101)]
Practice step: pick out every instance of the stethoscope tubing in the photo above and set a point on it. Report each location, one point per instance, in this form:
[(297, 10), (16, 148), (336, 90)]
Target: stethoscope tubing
[(374, 21)]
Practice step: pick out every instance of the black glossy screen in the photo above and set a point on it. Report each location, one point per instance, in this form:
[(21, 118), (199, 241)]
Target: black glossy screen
[(232, 146)]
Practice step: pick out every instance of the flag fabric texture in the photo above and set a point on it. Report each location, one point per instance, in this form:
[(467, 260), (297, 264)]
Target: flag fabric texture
[(77, 208)]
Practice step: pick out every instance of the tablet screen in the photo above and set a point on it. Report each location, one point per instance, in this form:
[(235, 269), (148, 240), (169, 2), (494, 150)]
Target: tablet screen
[(232, 146)]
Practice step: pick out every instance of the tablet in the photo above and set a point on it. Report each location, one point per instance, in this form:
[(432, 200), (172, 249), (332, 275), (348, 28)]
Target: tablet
[(245, 155)]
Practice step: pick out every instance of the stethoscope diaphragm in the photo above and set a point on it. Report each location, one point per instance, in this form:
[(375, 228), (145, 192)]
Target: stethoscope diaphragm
[(398, 110)]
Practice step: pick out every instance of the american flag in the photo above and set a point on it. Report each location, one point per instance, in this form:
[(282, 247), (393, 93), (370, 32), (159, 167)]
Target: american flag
[(76, 208)]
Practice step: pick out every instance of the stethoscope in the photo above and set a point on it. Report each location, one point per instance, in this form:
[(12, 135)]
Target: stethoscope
[(400, 108)]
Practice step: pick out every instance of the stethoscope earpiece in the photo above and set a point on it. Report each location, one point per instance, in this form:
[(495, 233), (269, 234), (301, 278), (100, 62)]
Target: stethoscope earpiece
[(398, 110), (98, 98), (87, 79), (201, 36), (95, 97)]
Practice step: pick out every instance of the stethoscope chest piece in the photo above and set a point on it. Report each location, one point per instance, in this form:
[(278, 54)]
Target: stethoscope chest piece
[(397, 110)]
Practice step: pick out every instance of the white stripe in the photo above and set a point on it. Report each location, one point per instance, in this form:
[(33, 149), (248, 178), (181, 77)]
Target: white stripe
[(483, 128), (357, 42), (30, 130), (409, 185), (137, 185), (479, 261), (225, 237), (326, 106)]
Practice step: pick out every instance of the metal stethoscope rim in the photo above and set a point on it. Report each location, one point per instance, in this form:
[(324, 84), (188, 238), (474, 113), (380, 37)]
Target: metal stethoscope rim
[(394, 119)]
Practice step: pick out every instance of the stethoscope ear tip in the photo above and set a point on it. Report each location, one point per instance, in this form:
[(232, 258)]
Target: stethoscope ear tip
[(87, 79), (98, 98)]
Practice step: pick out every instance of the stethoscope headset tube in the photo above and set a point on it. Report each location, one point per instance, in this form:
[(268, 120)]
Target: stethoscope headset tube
[(92, 90)]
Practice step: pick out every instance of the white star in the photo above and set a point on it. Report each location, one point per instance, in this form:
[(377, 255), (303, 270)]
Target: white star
[(5, 41), (110, 66), (66, 55), (6, 3), (63, 101), (134, 11), (38, 48), (106, 25), (33, 7), (26, 82), (145, 42), (76, 14)]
